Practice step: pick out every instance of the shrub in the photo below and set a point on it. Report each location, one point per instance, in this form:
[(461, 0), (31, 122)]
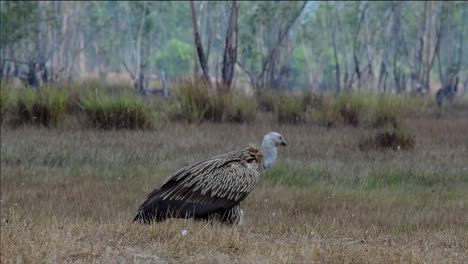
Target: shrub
[(289, 109), (388, 110), (122, 112), (267, 99), (5, 95), (46, 106), (326, 115), (196, 103), (173, 111), (335, 110), (385, 118), (394, 139), (351, 108), (311, 100), (384, 112), (364, 109), (243, 109)]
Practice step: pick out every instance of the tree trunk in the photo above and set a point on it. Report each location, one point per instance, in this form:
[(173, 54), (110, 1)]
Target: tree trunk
[(199, 46), (370, 72), (230, 48), (357, 69), (81, 57), (382, 84), (140, 82), (164, 83), (260, 80), (439, 66), (65, 36), (431, 53), (335, 50)]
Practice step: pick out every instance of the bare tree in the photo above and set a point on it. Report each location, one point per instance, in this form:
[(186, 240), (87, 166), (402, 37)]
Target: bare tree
[(199, 46), (230, 48), (268, 66), (357, 69), (333, 29), (141, 50)]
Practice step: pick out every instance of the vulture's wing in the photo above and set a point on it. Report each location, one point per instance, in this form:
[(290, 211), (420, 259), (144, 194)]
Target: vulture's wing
[(205, 187)]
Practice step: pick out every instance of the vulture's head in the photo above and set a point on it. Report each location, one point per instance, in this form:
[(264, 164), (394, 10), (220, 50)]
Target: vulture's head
[(274, 139), (270, 145)]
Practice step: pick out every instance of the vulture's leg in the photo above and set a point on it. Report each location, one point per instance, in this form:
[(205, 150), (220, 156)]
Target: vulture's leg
[(241, 220), (231, 216)]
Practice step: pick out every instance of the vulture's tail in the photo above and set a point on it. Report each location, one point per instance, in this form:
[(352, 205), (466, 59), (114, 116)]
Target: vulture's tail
[(155, 208), (148, 209)]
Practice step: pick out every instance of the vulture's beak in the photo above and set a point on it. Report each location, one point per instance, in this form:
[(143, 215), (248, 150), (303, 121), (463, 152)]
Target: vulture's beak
[(283, 143)]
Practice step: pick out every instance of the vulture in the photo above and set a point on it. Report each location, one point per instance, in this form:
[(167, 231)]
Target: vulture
[(212, 188)]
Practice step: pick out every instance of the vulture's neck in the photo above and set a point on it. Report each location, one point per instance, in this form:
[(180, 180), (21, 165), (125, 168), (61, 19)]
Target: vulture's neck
[(269, 154)]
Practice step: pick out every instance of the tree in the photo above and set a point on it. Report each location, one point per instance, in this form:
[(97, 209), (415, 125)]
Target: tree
[(175, 58), (199, 46), (387, 46), (230, 47), (333, 30), (270, 24)]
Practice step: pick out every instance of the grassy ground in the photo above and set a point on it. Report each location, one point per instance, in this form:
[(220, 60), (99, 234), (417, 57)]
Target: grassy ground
[(70, 196)]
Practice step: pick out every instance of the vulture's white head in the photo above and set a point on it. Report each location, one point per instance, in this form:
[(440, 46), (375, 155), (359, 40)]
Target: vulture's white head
[(269, 148)]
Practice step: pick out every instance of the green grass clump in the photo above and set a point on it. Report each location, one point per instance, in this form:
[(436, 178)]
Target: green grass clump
[(389, 110), (5, 95), (196, 103), (243, 110), (344, 109), (311, 100), (267, 99), (46, 107), (122, 112), (289, 109), (326, 114), (351, 108), (365, 109)]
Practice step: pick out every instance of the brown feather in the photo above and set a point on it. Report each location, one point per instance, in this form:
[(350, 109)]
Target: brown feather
[(205, 188)]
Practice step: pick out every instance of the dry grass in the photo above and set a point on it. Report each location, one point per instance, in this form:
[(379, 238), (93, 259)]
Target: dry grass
[(70, 196)]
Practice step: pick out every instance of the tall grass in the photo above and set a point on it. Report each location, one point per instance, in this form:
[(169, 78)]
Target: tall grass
[(4, 100), (118, 112), (289, 109), (390, 109), (104, 108), (366, 109), (243, 109), (267, 99), (46, 107), (116, 106), (196, 103)]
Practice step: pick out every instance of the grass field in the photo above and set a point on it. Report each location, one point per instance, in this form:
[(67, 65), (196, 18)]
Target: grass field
[(69, 196)]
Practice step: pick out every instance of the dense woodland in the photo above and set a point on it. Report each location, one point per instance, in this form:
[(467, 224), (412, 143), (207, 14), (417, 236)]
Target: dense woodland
[(391, 46)]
